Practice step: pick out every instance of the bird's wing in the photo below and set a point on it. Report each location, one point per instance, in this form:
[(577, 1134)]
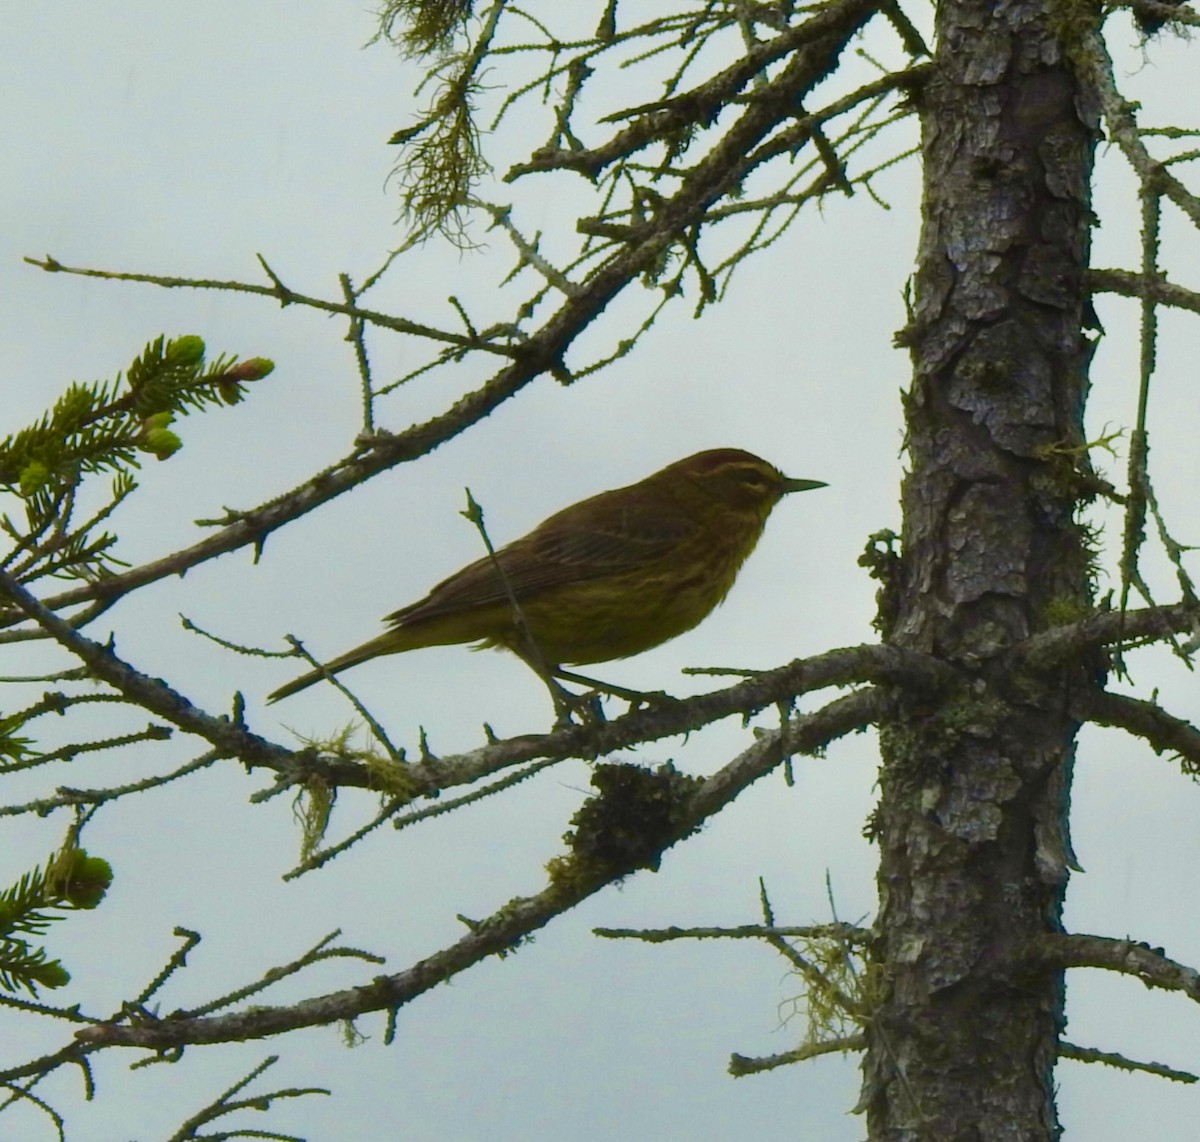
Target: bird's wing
[(591, 540)]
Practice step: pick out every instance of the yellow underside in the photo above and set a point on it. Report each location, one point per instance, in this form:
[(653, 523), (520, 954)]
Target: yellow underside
[(583, 623)]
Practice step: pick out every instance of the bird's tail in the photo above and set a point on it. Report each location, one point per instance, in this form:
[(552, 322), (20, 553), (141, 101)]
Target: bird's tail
[(386, 643)]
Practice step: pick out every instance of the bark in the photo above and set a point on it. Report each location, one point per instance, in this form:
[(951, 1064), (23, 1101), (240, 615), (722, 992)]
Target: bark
[(974, 790)]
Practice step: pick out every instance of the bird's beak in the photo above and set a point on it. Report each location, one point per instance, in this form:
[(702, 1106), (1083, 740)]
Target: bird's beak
[(791, 485)]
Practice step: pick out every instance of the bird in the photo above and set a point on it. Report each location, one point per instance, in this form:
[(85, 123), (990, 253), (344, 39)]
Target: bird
[(606, 578)]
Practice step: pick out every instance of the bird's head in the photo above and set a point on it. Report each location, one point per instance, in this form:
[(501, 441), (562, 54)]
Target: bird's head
[(738, 479)]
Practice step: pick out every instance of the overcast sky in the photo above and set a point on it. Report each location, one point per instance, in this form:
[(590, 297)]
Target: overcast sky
[(183, 140)]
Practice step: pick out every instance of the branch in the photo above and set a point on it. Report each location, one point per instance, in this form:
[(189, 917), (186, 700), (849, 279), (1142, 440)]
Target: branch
[(1129, 283), (232, 739), (742, 1065), (506, 928), (849, 666), (698, 107), (844, 933), (1094, 61), (1150, 965), (92, 797), (544, 351), (1143, 719), (318, 953), (285, 295), (392, 808), (1111, 1059), (1053, 647), (1152, 14), (793, 137), (528, 251), (225, 1104)]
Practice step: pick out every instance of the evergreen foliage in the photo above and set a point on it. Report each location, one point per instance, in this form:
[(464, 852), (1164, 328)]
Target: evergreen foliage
[(72, 880), (105, 427)]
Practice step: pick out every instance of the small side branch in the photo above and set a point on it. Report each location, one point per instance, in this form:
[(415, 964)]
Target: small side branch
[(1053, 647), (1129, 283), (66, 796), (1151, 965), (528, 251), (509, 926), (681, 112), (151, 694), (1146, 720), (226, 1104), (742, 1065), (231, 737), (287, 296), (1112, 1059), (844, 933), (1097, 64)]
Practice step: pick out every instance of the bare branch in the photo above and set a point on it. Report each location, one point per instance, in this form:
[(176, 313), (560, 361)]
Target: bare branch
[(232, 738), (225, 1104), (846, 933), (506, 928), (1121, 1063), (742, 1065), (1093, 58), (1145, 720), (1052, 647), (1129, 283), (643, 246), (285, 295), (1151, 965), (697, 107), (66, 796)]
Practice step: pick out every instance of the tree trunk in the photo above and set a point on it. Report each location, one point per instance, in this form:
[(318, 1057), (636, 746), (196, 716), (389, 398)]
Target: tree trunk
[(972, 821)]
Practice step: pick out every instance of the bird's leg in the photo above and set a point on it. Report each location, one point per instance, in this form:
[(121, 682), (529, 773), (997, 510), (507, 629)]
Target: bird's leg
[(635, 698), (565, 701), (525, 646)]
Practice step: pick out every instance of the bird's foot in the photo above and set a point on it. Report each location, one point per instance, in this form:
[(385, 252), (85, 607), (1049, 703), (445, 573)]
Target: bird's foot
[(636, 698), (567, 704), (648, 699), (586, 706)]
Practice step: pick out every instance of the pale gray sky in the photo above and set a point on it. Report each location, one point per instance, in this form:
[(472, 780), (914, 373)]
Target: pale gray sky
[(184, 139)]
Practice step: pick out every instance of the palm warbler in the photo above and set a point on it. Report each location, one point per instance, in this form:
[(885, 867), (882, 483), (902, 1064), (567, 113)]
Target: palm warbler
[(606, 578)]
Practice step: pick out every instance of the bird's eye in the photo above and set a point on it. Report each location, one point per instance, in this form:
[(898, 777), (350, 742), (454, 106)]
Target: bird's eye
[(753, 478)]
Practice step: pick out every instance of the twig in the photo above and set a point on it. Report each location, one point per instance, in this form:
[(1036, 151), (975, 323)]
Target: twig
[(514, 921), (1146, 720), (1127, 957), (1122, 1063), (742, 1065), (847, 932), (67, 796)]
